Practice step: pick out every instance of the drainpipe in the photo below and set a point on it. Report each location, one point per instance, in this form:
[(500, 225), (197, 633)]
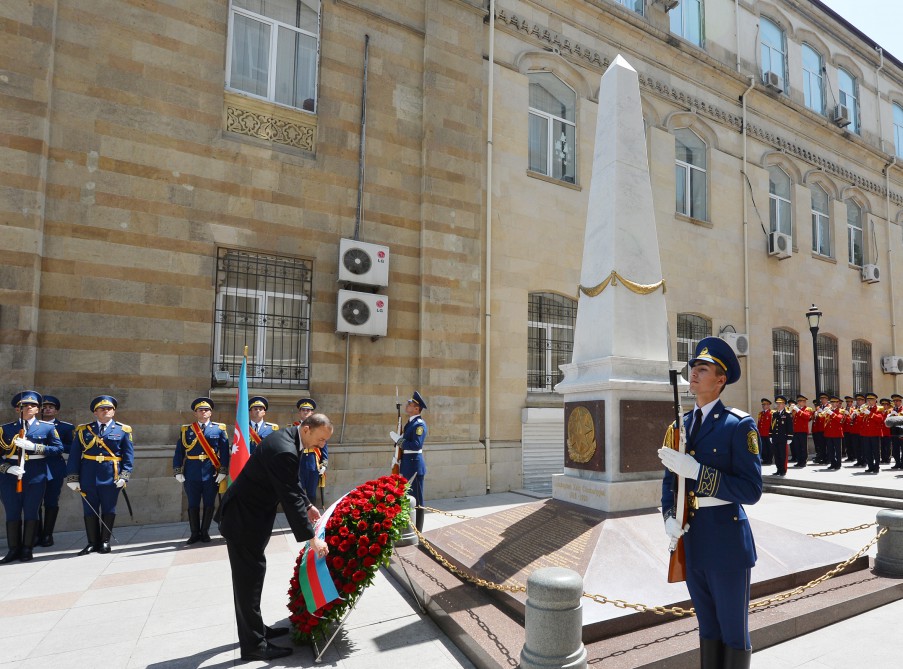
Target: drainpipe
[(752, 84), (737, 30), (487, 372), (890, 266)]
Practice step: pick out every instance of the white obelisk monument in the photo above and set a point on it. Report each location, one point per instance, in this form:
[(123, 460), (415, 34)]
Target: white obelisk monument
[(616, 389)]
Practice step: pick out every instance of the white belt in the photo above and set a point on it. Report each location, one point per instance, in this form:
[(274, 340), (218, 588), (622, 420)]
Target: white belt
[(709, 501), (411, 452)]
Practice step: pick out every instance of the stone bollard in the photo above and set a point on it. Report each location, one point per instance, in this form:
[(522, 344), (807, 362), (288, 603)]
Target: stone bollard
[(409, 537), (554, 621), (889, 561)]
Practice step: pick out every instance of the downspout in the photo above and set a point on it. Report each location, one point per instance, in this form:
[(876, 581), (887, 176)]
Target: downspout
[(487, 372), (890, 251), (752, 84), (737, 32)]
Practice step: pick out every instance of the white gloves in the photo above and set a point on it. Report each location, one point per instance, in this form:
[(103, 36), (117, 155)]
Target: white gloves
[(219, 477), (679, 463), (322, 470), (15, 470), (864, 411), (673, 528), (73, 485), (24, 444), (180, 478), (120, 483), (395, 437), (794, 408)]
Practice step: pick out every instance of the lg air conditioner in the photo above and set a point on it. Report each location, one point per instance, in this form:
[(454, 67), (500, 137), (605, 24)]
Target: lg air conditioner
[(362, 313), (780, 245), (774, 81), (841, 116), (363, 264), (892, 364), (738, 342), (871, 274)]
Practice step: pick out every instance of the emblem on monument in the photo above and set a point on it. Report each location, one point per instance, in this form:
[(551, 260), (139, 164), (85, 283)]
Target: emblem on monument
[(581, 440)]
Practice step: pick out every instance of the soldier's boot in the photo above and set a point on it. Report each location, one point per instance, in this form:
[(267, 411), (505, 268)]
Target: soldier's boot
[(13, 540), (106, 531), (194, 524), (28, 540), (92, 530), (418, 522), (711, 653), (39, 531), (49, 523), (734, 658), (205, 524)]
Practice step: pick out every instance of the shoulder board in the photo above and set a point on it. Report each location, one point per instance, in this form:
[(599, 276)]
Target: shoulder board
[(185, 427), (125, 428), (273, 425), (47, 422), (737, 412), (83, 426), (222, 426)]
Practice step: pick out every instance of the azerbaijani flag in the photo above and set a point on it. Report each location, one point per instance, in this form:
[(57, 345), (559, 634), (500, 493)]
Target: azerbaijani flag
[(313, 574), (240, 452)]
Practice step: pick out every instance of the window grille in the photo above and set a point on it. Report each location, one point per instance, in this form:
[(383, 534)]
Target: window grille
[(862, 366), (786, 349), (550, 334), (828, 376), (263, 302), (690, 329)]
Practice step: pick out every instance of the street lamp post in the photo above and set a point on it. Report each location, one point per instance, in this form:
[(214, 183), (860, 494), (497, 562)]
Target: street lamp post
[(814, 316)]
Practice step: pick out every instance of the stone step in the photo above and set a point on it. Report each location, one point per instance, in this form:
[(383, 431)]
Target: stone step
[(832, 486), (877, 497)]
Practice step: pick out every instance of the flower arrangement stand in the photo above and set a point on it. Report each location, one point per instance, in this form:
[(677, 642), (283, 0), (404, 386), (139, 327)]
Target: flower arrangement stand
[(319, 653)]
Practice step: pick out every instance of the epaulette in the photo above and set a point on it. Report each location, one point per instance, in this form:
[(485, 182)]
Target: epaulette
[(222, 426), (47, 422), (185, 427), (739, 413), (273, 425), (83, 426), (125, 428)]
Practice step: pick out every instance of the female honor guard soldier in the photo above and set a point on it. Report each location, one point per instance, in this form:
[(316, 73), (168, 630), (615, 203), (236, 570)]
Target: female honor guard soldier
[(100, 463), (722, 472), (259, 428), (24, 444), (57, 466), (412, 466), (314, 461), (200, 463)]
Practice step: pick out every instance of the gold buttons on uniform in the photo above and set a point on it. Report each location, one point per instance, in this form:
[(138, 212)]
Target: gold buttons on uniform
[(735, 517), (714, 450), (692, 452)]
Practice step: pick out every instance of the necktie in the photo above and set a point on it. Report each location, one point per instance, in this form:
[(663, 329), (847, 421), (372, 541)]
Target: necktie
[(100, 427), (697, 423)]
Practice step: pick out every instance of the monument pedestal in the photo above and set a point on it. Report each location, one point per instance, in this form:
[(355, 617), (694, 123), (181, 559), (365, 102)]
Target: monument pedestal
[(607, 495)]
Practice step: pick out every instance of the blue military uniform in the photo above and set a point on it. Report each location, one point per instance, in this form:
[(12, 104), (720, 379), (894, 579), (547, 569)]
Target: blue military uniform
[(312, 462), (195, 463), (24, 505), (412, 462), (100, 463), (720, 550), (57, 466), (260, 430)]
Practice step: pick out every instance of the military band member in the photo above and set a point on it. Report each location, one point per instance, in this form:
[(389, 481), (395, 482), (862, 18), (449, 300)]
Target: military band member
[(722, 471), (896, 436), (313, 461), (57, 466), (849, 448), (412, 465), (24, 445), (872, 423), (763, 423), (856, 430), (200, 463), (259, 428), (818, 428), (781, 434), (799, 447), (885, 431), (833, 420)]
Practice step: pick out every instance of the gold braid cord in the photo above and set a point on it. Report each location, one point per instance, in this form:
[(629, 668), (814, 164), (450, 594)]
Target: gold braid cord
[(643, 608), (613, 278)]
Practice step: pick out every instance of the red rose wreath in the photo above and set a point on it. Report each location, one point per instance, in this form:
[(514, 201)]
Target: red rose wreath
[(361, 532)]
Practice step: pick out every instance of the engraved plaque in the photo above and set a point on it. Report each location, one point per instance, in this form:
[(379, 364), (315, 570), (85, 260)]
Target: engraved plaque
[(643, 427)]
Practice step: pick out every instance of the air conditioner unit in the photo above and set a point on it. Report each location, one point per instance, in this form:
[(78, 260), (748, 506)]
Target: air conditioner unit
[(841, 116), (892, 364), (362, 313), (363, 264), (774, 81), (738, 342), (780, 245), (871, 274)]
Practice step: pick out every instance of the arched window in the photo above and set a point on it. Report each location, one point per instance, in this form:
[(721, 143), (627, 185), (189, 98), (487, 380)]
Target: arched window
[(687, 20), (849, 96), (550, 339), (898, 129), (690, 329), (786, 350), (553, 133), (862, 366), (827, 364), (854, 233), (813, 81), (821, 221), (779, 207), (772, 48), (690, 174)]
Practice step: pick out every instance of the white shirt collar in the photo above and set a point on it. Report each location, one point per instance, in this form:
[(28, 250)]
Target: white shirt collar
[(706, 410)]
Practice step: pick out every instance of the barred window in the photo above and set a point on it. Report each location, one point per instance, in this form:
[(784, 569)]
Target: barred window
[(828, 377), (263, 302), (550, 334), (786, 347), (690, 329), (862, 366)]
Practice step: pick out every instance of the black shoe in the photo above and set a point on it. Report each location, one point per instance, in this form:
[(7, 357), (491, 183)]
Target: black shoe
[(194, 524), (205, 525), (267, 652), (276, 632)]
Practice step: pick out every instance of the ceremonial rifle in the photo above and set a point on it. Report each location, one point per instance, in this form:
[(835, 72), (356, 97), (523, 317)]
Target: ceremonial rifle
[(677, 565), (396, 461), (21, 455)]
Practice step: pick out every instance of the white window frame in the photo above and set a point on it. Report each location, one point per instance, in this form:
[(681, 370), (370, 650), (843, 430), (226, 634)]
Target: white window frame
[(776, 220), (821, 225), (773, 49), (680, 21), (685, 208), (849, 98), (813, 99), (898, 129), (556, 147), (855, 232)]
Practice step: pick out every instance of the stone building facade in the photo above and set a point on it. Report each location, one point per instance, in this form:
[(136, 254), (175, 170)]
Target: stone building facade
[(173, 171)]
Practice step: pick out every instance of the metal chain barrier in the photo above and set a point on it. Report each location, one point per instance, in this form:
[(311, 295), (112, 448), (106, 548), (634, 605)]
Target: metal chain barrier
[(677, 611)]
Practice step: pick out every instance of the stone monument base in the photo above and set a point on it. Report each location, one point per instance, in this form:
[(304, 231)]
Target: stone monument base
[(611, 496)]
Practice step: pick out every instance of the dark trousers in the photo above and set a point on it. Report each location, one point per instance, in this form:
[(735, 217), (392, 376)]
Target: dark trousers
[(857, 449), (310, 481), (870, 447), (818, 440), (249, 567), (848, 449), (885, 449), (195, 491), (799, 448), (779, 444), (57, 467), (897, 447), (102, 497), (765, 450), (833, 447), (20, 505), (721, 600)]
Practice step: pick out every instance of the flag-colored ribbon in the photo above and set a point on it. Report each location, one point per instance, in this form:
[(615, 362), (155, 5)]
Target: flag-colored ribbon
[(240, 451), (313, 574)]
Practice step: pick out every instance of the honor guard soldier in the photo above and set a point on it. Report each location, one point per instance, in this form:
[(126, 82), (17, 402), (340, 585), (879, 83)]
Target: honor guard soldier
[(722, 472), (313, 461), (834, 420), (412, 465), (200, 463), (763, 423), (259, 428), (24, 445), (781, 434), (57, 466), (799, 447), (100, 463), (895, 435), (818, 428)]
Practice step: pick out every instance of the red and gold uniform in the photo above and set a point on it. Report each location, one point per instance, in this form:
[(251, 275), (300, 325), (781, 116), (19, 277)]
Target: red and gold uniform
[(833, 421), (763, 424), (871, 424), (799, 447)]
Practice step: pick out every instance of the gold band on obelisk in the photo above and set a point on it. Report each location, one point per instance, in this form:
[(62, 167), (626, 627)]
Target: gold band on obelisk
[(613, 278)]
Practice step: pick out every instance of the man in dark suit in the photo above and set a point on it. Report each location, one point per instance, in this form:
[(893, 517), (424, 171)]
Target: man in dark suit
[(270, 477)]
